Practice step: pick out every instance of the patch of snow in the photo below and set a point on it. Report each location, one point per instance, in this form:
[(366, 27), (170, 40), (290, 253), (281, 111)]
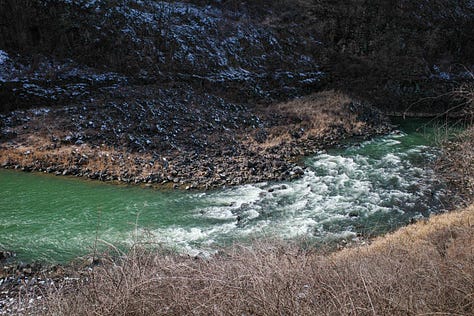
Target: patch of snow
[(440, 74), (3, 57), (7, 69), (83, 3)]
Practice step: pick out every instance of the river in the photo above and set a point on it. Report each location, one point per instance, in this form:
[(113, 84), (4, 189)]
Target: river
[(362, 189)]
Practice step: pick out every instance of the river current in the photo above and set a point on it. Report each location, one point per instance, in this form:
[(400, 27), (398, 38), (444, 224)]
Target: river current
[(362, 189)]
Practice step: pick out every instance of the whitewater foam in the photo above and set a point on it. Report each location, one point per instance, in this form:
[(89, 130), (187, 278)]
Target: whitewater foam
[(335, 196), (363, 189)]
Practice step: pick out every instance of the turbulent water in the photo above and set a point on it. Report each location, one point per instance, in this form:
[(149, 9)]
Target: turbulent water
[(363, 189)]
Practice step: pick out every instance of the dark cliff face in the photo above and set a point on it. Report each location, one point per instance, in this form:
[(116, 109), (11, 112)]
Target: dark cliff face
[(399, 54), (212, 49), (392, 53)]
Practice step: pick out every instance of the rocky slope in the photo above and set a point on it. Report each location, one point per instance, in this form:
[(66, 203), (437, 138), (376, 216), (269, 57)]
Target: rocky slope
[(399, 55), (211, 49), (194, 93), (192, 143), (404, 56)]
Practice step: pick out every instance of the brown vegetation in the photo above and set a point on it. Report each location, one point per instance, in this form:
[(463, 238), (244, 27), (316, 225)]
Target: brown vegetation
[(304, 123), (322, 111), (456, 164), (426, 268), (39, 154)]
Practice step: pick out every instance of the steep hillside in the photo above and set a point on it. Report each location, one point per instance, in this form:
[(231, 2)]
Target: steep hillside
[(211, 49), (198, 82), (400, 55)]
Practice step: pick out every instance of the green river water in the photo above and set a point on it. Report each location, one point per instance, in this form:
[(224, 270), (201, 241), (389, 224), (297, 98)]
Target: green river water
[(367, 188)]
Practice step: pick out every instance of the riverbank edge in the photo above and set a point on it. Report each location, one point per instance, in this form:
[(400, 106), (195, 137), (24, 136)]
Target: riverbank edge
[(272, 151)]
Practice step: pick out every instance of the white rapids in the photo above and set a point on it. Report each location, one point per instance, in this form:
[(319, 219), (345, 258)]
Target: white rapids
[(364, 189)]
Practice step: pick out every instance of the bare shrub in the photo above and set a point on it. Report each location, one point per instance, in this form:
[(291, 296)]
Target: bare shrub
[(427, 268), (456, 164), (466, 94)]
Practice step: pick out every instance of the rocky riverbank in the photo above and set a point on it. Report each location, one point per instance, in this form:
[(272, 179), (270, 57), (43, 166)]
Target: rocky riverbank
[(181, 142), (23, 286), (20, 281)]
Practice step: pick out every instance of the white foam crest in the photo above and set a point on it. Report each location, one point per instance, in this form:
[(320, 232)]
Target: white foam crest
[(235, 197), (258, 228), (217, 212), (193, 240), (252, 214), (336, 192), (297, 227), (390, 160), (391, 142)]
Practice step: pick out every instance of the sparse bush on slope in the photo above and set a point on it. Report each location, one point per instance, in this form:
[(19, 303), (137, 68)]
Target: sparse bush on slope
[(456, 163)]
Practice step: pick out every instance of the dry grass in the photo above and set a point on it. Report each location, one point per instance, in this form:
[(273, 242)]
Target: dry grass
[(319, 106), (39, 154), (424, 269), (311, 117)]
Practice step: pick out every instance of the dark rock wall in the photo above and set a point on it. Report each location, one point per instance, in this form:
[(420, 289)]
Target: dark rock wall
[(211, 48), (401, 55)]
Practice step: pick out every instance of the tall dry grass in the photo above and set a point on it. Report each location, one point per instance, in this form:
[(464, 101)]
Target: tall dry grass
[(319, 111), (424, 269), (312, 117)]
